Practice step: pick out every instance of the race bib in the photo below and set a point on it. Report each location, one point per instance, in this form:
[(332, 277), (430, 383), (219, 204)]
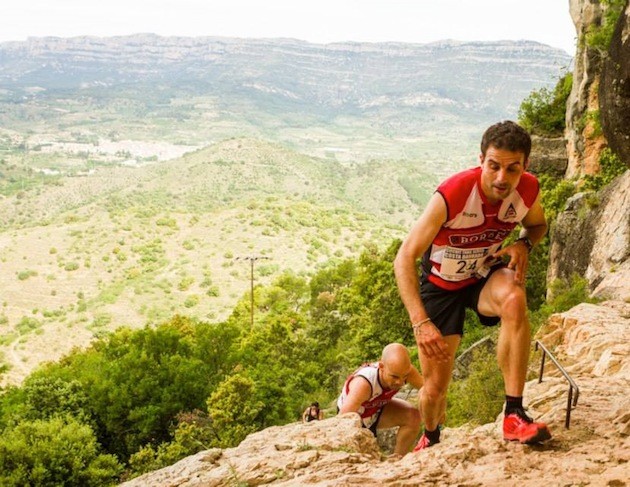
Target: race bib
[(461, 264)]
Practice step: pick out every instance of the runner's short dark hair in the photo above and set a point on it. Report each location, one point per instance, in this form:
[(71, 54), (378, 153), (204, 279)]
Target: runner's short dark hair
[(507, 135)]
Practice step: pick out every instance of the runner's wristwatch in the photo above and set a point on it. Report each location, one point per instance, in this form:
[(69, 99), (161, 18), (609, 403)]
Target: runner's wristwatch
[(528, 243)]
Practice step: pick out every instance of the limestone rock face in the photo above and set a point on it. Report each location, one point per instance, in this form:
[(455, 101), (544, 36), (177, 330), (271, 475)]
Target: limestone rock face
[(593, 342), (583, 145), (548, 156), (591, 238), (614, 90)]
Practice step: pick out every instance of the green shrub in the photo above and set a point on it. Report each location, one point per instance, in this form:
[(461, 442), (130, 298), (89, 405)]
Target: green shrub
[(167, 222), (592, 117), (194, 433), (610, 166), (213, 291), (479, 398), (599, 36), (185, 283), (26, 325), (543, 111), (555, 194), (24, 275), (54, 452), (234, 406), (565, 294)]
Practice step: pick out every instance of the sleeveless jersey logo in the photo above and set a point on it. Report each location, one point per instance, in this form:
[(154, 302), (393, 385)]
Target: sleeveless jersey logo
[(510, 212), (488, 236)]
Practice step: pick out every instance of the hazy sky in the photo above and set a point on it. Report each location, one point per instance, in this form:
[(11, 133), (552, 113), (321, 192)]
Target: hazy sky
[(320, 21)]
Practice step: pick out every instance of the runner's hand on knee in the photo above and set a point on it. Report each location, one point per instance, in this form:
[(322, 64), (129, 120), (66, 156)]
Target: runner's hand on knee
[(431, 343), (519, 258)]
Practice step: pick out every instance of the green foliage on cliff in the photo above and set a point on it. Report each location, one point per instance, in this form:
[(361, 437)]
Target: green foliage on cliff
[(610, 166), (543, 111), (555, 193), (599, 36)]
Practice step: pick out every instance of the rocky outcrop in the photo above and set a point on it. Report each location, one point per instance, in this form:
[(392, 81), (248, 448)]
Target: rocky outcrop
[(584, 142), (614, 90), (592, 341), (548, 156), (591, 238)]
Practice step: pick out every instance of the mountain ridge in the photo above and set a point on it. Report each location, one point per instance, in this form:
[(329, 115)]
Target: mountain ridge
[(307, 95)]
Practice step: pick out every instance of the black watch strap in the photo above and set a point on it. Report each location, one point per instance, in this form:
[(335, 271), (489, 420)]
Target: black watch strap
[(528, 243)]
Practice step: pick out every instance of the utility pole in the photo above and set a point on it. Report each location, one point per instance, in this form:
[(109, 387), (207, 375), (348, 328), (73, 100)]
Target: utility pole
[(251, 259)]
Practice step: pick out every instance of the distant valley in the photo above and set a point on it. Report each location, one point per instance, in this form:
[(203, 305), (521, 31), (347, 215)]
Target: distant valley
[(138, 172)]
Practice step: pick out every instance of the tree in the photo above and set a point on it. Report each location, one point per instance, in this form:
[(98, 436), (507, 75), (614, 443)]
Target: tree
[(46, 397), (132, 384), (233, 407), (376, 314), (54, 452), (543, 111), (194, 432)]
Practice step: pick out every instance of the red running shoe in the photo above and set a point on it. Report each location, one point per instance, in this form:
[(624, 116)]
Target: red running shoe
[(423, 443), (520, 427)]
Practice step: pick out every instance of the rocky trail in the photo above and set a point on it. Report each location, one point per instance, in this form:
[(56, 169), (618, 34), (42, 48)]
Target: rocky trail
[(592, 341)]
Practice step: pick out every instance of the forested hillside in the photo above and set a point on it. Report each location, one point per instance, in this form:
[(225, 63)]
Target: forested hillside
[(133, 246)]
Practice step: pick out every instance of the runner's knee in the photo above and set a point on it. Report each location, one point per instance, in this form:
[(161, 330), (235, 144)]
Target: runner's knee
[(514, 305), (434, 392)]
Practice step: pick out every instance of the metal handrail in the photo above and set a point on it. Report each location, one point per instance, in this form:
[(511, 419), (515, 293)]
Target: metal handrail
[(571, 400)]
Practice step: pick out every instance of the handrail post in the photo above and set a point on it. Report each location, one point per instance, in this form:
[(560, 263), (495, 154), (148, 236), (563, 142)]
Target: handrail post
[(568, 416), (571, 400)]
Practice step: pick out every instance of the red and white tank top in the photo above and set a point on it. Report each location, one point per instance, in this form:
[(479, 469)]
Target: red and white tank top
[(474, 228), (378, 399)]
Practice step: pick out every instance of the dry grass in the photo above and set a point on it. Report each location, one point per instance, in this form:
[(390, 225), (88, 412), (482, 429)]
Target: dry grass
[(131, 246)]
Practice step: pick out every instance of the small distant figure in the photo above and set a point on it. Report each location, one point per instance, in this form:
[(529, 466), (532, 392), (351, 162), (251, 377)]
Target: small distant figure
[(312, 413), (370, 390)]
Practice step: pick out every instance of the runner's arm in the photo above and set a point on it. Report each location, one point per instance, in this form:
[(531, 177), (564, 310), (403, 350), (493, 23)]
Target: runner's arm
[(534, 224), (413, 247), (428, 337), (415, 378), (359, 391)]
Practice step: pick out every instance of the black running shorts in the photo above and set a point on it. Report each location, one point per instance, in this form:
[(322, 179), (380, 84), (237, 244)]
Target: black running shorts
[(447, 309)]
